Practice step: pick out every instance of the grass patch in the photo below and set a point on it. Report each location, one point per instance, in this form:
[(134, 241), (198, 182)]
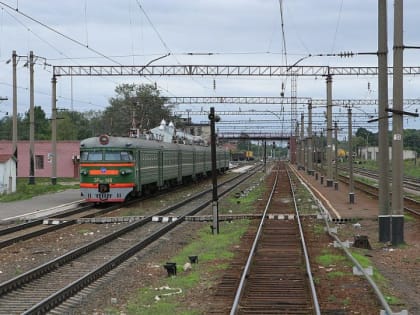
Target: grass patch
[(210, 249), (328, 259), (408, 217), (337, 274), (42, 186), (393, 300), (366, 262), (243, 202), (318, 229)]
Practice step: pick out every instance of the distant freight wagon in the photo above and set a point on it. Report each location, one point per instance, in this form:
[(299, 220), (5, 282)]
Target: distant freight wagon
[(242, 156)]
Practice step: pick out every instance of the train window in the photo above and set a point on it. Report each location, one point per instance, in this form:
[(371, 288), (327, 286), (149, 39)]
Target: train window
[(112, 156), (126, 156), (90, 156)]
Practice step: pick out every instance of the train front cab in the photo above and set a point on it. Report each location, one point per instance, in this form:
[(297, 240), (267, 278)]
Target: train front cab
[(106, 175)]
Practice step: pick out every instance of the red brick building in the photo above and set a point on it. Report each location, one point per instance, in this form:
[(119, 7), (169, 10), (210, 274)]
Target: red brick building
[(67, 158)]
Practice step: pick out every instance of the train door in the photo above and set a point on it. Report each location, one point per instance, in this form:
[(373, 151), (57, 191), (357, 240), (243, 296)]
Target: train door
[(160, 167), (180, 162), (137, 165)]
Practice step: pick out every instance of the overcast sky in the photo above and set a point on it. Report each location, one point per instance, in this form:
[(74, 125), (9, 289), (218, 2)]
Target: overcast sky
[(236, 32)]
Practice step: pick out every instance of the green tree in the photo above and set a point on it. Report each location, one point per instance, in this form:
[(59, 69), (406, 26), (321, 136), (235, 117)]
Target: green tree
[(6, 128), (42, 125), (245, 143), (72, 125), (96, 124), (141, 104), (412, 139)]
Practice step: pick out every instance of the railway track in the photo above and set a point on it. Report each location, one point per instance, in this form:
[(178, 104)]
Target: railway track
[(275, 277), (409, 182), (40, 290), (36, 228), (410, 205)]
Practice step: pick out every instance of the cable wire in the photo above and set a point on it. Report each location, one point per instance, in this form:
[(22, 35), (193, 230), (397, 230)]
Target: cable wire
[(337, 27), (59, 33)]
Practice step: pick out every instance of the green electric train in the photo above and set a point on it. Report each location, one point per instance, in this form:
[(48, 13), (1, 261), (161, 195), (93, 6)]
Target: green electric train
[(113, 169)]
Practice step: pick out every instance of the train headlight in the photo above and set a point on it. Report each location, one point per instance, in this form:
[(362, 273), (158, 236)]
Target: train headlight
[(83, 172), (125, 171)]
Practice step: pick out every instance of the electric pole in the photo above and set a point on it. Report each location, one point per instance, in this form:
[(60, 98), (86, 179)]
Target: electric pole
[(215, 201), (397, 214), (31, 120)]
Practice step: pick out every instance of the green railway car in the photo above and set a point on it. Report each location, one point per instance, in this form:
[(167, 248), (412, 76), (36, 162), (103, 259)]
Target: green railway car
[(114, 168)]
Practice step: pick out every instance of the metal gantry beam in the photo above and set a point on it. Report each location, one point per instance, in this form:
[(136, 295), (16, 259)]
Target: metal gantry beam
[(267, 100), (235, 100), (253, 136), (222, 70)]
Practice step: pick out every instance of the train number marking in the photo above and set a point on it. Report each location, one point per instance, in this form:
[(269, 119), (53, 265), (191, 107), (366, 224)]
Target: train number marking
[(103, 196)]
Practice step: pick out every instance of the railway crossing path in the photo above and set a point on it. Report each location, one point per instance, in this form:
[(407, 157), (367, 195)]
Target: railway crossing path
[(39, 206)]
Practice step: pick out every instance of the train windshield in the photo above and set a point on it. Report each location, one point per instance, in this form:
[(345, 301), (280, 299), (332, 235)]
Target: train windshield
[(106, 156), (91, 156), (118, 156)]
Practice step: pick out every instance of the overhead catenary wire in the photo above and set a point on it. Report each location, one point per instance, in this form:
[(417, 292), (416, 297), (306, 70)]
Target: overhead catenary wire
[(49, 94), (284, 47), (58, 32), (337, 26), (86, 24), (53, 47)]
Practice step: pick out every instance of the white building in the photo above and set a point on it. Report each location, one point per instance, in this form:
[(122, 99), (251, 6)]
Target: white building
[(7, 174), (371, 153), (168, 133)]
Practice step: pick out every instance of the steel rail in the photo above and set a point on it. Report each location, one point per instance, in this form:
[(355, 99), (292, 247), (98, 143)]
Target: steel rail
[(35, 222), (305, 252), (20, 227), (48, 229), (241, 286), (28, 276), (58, 298), (70, 290), (325, 216)]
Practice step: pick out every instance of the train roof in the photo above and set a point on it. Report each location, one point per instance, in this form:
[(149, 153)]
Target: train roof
[(105, 141)]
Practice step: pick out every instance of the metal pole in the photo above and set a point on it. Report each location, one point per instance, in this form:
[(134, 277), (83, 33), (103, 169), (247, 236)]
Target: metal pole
[(265, 156), (310, 141), (54, 130), (297, 145), (329, 131), (215, 202), (384, 215), (322, 157), (302, 144), (31, 120), (350, 157), (336, 156), (397, 213), (14, 128)]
